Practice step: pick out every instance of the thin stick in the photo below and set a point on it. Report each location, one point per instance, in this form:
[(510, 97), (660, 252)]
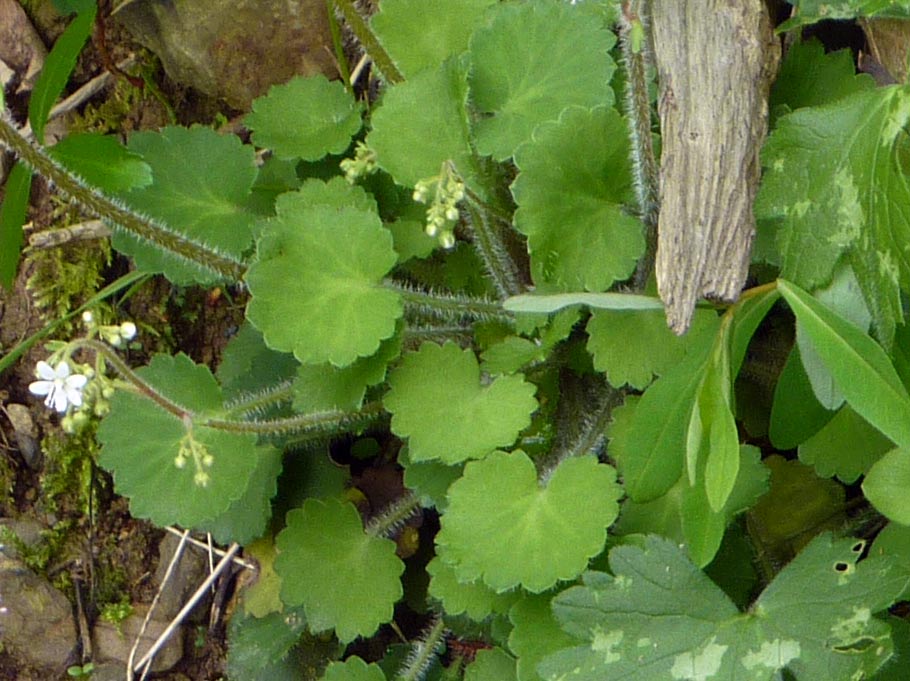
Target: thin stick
[(200, 592), (218, 552), (148, 615)]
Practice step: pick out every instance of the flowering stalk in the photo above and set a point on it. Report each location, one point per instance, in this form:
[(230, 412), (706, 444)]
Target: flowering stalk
[(492, 250), (449, 307)]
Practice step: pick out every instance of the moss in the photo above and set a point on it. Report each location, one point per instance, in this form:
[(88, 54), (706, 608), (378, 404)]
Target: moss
[(67, 479)]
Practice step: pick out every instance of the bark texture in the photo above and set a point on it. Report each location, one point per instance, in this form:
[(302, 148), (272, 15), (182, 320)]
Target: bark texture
[(715, 60)]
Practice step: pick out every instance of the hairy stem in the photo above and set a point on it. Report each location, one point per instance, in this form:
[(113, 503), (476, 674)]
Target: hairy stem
[(636, 54), (449, 307), (369, 41), (423, 651), (259, 401), (111, 211), (393, 516), (492, 250)]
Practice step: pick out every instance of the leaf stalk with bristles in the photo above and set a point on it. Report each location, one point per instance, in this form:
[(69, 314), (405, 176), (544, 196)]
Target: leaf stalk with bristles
[(369, 41), (423, 651)]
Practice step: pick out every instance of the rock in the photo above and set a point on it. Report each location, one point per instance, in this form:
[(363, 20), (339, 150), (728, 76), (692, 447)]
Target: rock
[(108, 671), (185, 578), (26, 530), (233, 49), (20, 47), (26, 435), (112, 643), (36, 620)]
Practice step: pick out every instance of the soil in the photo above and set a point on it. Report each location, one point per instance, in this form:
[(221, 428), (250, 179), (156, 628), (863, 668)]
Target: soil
[(92, 549)]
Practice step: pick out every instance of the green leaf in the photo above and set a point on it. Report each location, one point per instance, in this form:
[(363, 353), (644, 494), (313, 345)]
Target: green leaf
[(261, 647), (416, 44), (321, 387), (344, 578), (655, 445), (474, 599), (579, 235), (102, 162), (532, 61), (535, 633), (847, 446), (656, 349), (886, 485), (834, 182), (141, 442), (58, 65), (247, 518), (812, 11), (811, 77), (247, 364), (316, 286), (428, 106), (747, 315), (659, 617), (545, 304), (858, 364), (493, 664), (17, 190), (306, 117), (505, 527), (429, 480), (202, 183), (353, 669), (796, 414), (438, 402), (511, 354)]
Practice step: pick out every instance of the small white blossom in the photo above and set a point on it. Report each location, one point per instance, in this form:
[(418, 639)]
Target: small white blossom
[(87, 317), (59, 388), (127, 330)]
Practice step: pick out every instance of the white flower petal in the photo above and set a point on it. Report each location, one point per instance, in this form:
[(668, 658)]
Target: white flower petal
[(59, 398), (40, 388), (76, 381), (73, 396), (63, 370), (45, 371)]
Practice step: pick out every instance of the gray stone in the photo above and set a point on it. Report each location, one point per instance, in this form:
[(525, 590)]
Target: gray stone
[(36, 620), (27, 530), (112, 643), (187, 575), (108, 671), (233, 49)]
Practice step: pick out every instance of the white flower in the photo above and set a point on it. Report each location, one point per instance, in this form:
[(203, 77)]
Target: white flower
[(127, 330), (60, 388)]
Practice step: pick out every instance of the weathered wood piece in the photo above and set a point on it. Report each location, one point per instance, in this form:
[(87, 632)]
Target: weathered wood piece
[(715, 61)]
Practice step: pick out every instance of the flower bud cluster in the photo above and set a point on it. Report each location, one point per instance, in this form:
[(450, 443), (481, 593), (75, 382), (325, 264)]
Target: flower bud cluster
[(115, 335), (363, 163), (442, 215), (190, 448)]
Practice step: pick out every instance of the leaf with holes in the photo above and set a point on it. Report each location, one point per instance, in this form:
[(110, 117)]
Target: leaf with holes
[(659, 617), (438, 402), (344, 578), (551, 528)]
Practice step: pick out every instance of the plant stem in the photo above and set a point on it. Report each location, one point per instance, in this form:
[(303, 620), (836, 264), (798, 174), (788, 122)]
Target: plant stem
[(257, 402), (393, 516), (423, 650), (492, 250), (636, 56), (449, 307), (113, 212), (315, 423), (369, 41)]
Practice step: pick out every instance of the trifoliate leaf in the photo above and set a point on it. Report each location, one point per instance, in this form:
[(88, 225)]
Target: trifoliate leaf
[(535, 633), (415, 43), (846, 446), (859, 365), (655, 348), (247, 518), (493, 664), (474, 599), (835, 179), (316, 286), (305, 117), (423, 123), (507, 528), (659, 617), (532, 61), (353, 669), (141, 443), (811, 77), (438, 402), (102, 162), (344, 578), (321, 387), (202, 184), (886, 485), (579, 236)]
